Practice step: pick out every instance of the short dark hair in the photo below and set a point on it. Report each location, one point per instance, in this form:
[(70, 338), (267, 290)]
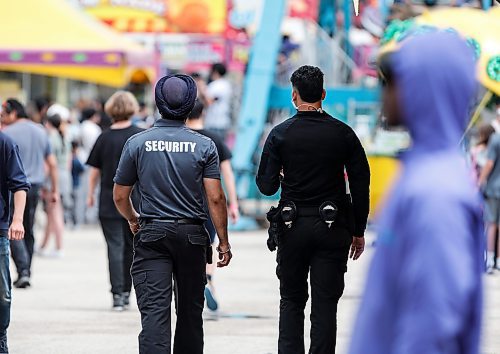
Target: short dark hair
[(219, 68), (197, 110), (42, 102), (13, 105), (196, 75), (308, 81), (88, 113)]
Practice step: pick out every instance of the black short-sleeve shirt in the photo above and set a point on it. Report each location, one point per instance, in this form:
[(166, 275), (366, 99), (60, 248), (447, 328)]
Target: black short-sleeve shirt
[(105, 156), (222, 149), (169, 162)]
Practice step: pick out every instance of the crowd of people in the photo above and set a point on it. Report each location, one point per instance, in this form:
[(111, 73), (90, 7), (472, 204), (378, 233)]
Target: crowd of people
[(91, 164), (70, 157)]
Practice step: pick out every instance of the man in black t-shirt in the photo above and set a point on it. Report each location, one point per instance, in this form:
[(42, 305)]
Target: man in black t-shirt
[(195, 122), (103, 160)]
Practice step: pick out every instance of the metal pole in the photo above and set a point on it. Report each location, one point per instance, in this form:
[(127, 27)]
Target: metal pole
[(26, 85), (348, 9), (384, 9)]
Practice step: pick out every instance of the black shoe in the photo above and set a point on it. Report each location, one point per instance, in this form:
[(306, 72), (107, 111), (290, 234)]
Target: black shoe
[(22, 282), (118, 302), (126, 299)]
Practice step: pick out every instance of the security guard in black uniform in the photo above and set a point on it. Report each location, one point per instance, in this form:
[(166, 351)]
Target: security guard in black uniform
[(174, 168), (316, 222)]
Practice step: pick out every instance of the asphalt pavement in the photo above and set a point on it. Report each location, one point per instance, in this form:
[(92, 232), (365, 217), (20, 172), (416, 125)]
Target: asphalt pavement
[(68, 308)]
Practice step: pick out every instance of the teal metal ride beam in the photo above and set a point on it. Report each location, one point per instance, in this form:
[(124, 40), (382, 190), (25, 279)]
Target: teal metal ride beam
[(334, 96), (255, 104), (259, 80), (258, 90)]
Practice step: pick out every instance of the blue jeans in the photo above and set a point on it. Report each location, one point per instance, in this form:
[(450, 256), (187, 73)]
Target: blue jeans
[(5, 288)]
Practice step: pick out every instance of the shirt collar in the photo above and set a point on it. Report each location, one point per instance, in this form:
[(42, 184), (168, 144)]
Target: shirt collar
[(310, 113), (169, 123)]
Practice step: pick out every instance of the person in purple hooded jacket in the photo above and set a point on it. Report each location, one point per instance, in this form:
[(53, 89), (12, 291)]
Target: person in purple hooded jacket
[(424, 290)]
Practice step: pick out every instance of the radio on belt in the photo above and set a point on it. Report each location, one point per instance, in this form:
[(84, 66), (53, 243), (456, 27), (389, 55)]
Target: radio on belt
[(328, 212), (288, 213)]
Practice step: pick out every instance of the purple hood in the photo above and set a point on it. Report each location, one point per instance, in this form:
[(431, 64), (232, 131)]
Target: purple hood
[(435, 73)]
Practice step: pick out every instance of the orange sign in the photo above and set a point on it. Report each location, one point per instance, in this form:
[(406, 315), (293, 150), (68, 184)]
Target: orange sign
[(171, 16)]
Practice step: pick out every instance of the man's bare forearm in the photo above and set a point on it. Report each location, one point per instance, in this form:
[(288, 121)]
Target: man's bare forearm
[(127, 210), (19, 205), (121, 197), (227, 173), (218, 213)]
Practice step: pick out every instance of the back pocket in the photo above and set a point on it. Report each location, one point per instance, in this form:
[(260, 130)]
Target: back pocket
[(198, 239), (151, 234)]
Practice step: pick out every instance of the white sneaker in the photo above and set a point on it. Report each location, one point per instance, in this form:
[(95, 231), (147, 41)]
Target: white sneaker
[(57, 254), (490, 265), (42, 252)]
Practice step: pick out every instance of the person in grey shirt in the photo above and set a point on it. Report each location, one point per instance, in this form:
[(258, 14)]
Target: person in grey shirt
[(174, 168), (489, 182), (34, 149)]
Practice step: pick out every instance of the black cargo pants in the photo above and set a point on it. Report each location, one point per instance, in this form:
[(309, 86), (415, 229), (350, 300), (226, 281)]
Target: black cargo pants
[(120, 252), (309, 246), (163, 251)]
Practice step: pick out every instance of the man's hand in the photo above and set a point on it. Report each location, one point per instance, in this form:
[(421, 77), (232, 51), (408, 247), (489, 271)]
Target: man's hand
[(134, 224), (16, 230), (234, 213), (357, 247), (225, 255)]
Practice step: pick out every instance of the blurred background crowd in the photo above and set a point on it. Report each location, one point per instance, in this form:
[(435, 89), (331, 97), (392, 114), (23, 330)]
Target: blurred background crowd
[(62, 59)]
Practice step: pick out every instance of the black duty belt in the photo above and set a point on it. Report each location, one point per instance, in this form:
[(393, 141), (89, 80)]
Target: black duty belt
[(183, 221), (307, 211), (340, 216)]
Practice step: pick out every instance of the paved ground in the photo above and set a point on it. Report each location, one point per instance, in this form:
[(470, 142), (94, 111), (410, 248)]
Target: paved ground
[(67, 310)]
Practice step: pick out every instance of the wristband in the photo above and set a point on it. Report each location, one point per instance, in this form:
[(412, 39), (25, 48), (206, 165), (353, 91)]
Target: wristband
[(220, 252)]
